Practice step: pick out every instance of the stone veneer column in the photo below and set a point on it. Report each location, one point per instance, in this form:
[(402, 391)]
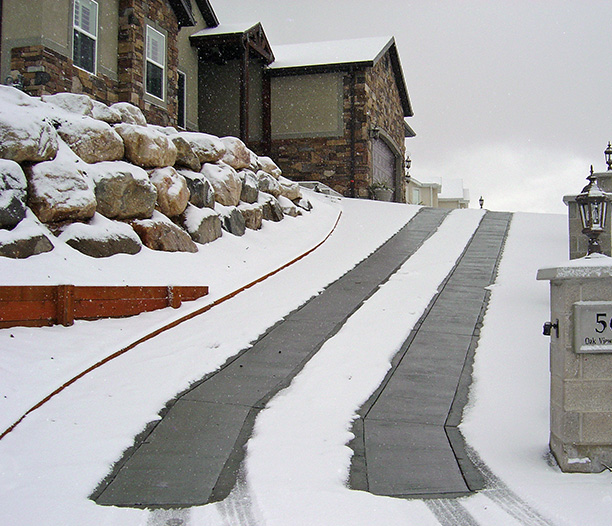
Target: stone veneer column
[(581, 382)]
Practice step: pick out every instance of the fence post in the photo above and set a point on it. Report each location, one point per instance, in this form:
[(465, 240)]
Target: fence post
[(65, 304)]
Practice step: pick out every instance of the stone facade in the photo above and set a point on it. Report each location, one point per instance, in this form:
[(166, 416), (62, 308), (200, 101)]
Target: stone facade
[(581, 382), (328, 159), (34, 63)]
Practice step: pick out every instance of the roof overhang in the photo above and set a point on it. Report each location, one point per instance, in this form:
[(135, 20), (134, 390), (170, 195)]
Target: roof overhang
[(223, 43), (184, 14)]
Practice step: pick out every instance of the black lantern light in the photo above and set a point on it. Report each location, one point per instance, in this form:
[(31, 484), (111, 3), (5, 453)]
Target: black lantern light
[(608, 154), (481, 201), (593, 204)]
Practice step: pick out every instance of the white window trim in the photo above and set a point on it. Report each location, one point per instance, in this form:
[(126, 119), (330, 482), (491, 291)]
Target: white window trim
[(88, 34), (154, 62)]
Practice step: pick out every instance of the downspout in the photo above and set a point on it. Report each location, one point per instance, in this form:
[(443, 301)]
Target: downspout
[(352, 127)]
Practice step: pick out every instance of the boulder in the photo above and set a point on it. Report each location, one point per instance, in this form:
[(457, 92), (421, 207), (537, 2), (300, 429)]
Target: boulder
[(250, 187), (146, 147), (13, 192), (269, 166), (268, 184), (26, 137), (232, 220), (159, 233), (92, 140), (129, 113), (304, 204), (237, 155), (185, 155), (253, 215), (60, 190), (272, 210), (101, 237), (102, 112), (289, 189), (25, 240), (208, 148), (71, 102), (123, 191), (172, 191), (288, 207), (201, 193), (202, 224), (225, 182)]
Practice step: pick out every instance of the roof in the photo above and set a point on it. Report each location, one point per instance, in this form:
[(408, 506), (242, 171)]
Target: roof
[(228, 41), (184, 14), (339, 55), (452, 189)]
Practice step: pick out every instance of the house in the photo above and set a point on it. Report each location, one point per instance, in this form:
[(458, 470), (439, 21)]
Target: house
[(328, 111), (338, 114), (453, 194), (423, 193), (134, 51)]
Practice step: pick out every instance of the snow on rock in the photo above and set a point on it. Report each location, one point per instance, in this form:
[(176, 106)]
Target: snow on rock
[(208, 148), (269, 166), (101, 237), (253, 215), (202, 224), (13, 187), (28, 238), (290, 189), (71, 102), (225, 182), (60, 189), (272, 210), (146, 147), (172, 191), (237, 155), (123, 191), (288, 207), (250, 187), (129, 113), (232, 220), (185, 156), (268, 183), (92, 140), (105, 113), (159, 233), (26, 135), (201, 193)]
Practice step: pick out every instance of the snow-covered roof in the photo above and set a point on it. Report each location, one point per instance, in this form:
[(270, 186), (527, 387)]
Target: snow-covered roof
[(359, 50), (453, 189), (226, 29)]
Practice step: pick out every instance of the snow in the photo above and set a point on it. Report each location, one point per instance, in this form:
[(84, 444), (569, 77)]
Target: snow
[(330, 52), (297, 461)]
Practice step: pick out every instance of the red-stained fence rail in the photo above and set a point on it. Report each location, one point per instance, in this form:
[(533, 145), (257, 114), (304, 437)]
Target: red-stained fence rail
[(36, 306)]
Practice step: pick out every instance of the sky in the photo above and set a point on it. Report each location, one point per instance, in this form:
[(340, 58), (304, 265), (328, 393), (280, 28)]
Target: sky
[(511, 96)]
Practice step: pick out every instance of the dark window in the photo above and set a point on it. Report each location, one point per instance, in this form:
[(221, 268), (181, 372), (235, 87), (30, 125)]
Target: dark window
[(181, 100), (85, 34)]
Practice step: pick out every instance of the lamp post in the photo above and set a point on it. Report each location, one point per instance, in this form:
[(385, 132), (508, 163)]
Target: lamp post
[(593, 204), (481, 201), (608, 154)]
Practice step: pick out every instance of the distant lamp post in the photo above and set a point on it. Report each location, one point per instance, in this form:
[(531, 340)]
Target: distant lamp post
[(608, 154), (593, 204), (481, 201)]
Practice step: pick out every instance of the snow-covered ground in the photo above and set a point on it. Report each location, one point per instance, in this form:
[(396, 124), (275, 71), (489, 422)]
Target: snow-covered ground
[(56, 456)]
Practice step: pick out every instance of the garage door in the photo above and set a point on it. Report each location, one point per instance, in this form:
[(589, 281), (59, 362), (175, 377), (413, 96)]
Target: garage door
[(383, 164)]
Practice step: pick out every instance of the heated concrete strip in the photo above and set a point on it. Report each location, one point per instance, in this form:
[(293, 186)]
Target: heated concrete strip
[(406, 440), (193, 454)]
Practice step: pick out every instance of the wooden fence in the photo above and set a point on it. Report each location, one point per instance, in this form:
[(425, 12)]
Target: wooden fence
[(36, 306)]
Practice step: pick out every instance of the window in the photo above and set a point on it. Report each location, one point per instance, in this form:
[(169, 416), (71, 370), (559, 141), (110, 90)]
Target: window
[(155, 63), (85, 34), (181, 100)]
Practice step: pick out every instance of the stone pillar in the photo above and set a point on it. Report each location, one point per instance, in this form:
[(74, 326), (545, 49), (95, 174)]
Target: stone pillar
[(578, 242), (581, 364)]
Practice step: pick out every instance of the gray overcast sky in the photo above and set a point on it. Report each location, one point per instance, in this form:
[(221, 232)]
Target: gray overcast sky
[(513, 96)]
